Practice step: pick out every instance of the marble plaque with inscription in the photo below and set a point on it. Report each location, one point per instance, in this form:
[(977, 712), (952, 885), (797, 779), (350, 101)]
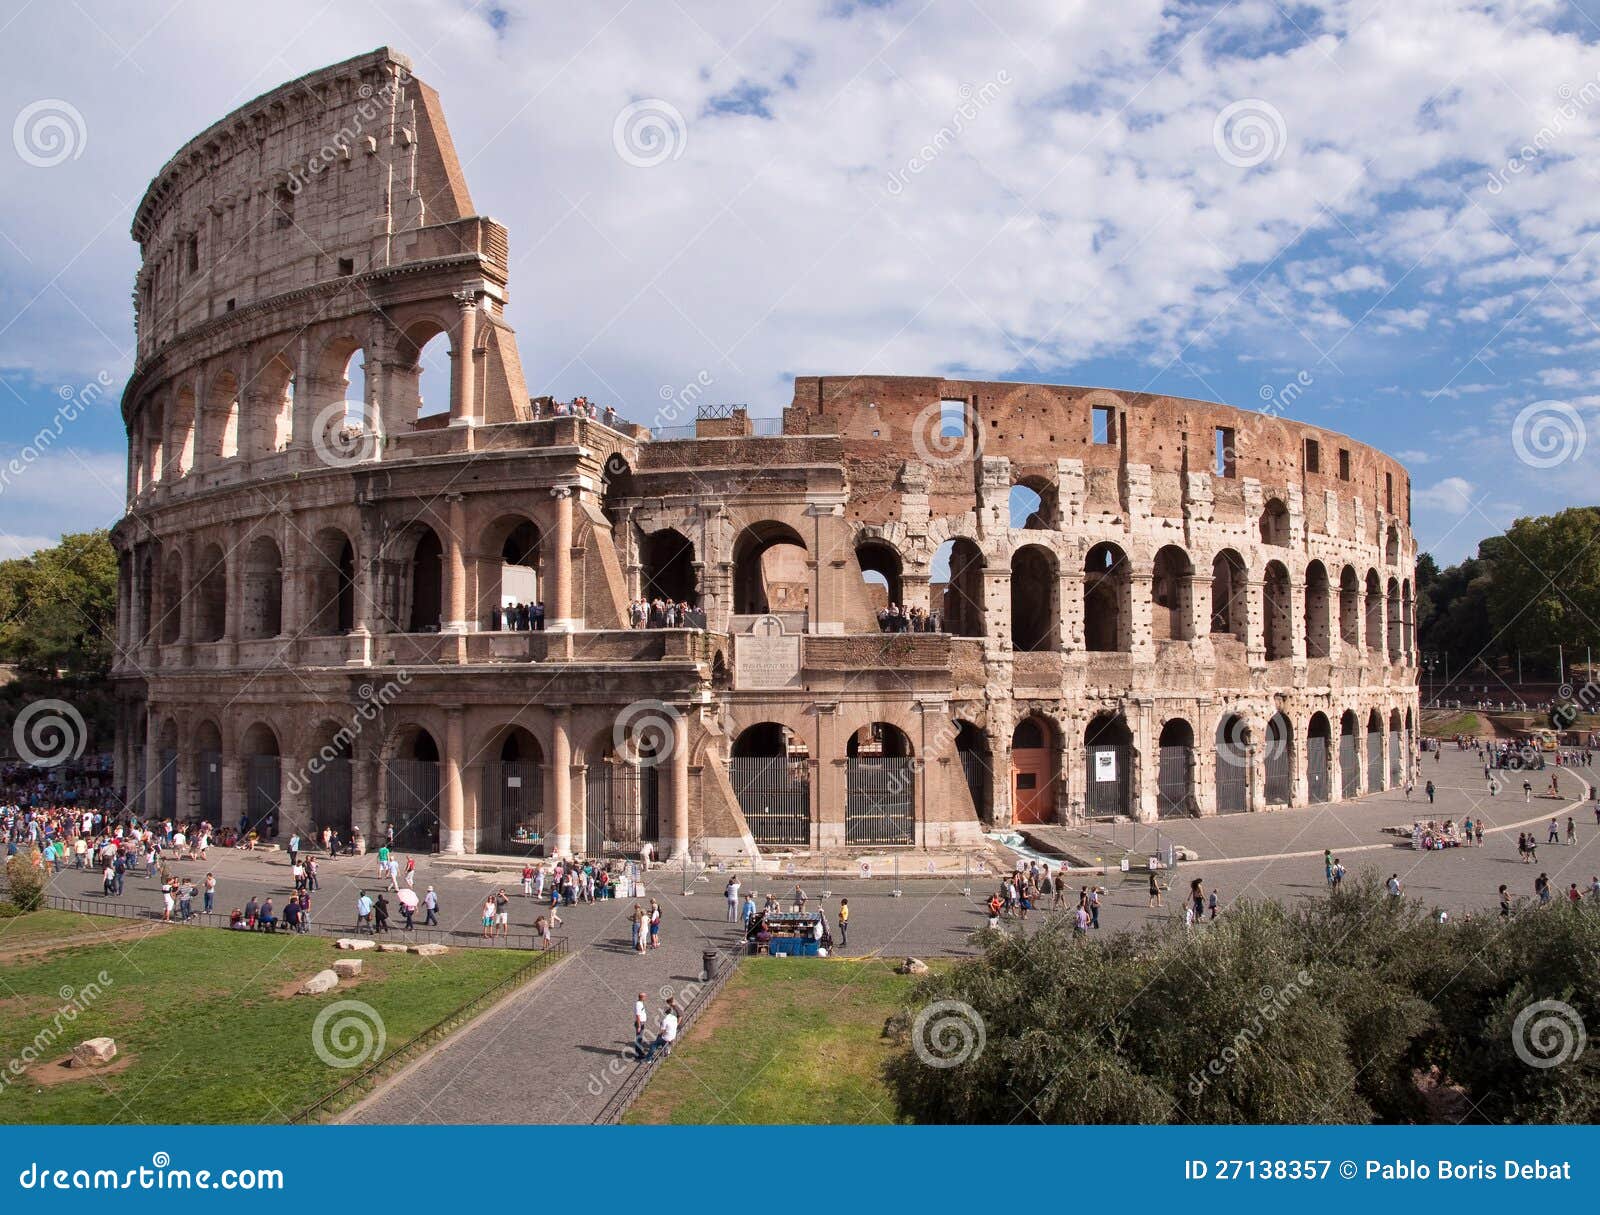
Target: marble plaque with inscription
[(766, 656)]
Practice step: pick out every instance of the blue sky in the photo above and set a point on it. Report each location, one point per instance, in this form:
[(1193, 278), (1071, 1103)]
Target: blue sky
[(1389, 205)]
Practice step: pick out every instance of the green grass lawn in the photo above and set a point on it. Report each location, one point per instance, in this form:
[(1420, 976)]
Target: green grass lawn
[(205, 1026), (1448, 727), (21, 931), (787, 1040)]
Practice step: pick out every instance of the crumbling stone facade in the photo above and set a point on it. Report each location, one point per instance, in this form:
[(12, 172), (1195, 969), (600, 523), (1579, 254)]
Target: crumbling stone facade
[(1145, 605)]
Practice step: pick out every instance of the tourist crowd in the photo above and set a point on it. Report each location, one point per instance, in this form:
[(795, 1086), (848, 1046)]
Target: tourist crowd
[(897, 618), (665, 614)]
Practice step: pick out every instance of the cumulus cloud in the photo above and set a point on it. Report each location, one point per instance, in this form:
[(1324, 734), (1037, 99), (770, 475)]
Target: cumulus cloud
[(1451, 496)]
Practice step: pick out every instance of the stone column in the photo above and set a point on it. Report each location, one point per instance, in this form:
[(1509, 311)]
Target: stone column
[(1140, 643), (452, 818), (678, 847), (561, 784), (463, 366), (455, 568), (558, 608)]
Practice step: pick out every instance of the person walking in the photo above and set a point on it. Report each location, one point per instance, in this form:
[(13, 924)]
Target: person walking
[(844, 922), (488, 919), (1505, 902), (1211, 902), (1393, 886), (731, 893), (1554, 837), (411, 873), (364, 912), (1478, 833), (209, 894), (430, 905), (1094, 907), (641, 1022), (1429, 790), (1197, 897), (655, 924), (1155, 891), (1541, 888), (1572, 832)]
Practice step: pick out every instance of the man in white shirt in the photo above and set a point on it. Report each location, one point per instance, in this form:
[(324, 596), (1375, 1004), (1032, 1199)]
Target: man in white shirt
[(668, 1035)]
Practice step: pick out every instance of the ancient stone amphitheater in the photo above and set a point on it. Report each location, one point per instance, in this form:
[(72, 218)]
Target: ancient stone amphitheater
[(1144, 605)]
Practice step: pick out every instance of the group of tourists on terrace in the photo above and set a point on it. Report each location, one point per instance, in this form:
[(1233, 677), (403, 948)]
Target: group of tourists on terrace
[(661, 613), (898, 618), (578, 407)]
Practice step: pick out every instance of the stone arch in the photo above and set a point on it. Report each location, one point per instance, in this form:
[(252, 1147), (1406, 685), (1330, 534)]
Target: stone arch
[(959, 597), (1391, 546), (1349, 754), (329, 755), (1408, 623), (1396, 621), (1033, 504), (1035, 769), (972, 749), (1274, 523), (880, 785), (1035, 599), (882, 570), (155, 442), (511, 811), (770, 770), (1109, 757), (261, 612), (1318, 612), (210, 603), (414, 581), (1279, 755), (341, 376), (1377, 769), (1350, 608), (331, 583), (1175, 775), (510, 567), (1230, 591), (411, 786), (1233, 741), (667, 567), (418, 391), (183, 424), (1172, 594), (1277, 625), (1319, 759), (261, 756), (1107, 595), (206, 758), (220, 416), (771, 569), (1374, 613), (271, 427), (172, 598)]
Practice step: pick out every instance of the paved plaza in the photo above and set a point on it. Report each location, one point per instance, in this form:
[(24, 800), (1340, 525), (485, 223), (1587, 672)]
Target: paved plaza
[(551, 1052)]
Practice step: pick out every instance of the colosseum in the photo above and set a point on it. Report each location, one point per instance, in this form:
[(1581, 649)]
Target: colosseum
[(1105, 603)]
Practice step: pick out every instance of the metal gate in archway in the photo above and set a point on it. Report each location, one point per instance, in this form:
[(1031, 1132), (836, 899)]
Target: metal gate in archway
[(774, 795), (1175, 783), (880, 800), (168, 777), (621, 807), (263, 775), (1397, 760), (511, 805), (330, 790), (1374, 761), (1280, 784), (412, 806), (1319, 779), (1349, 767), (208, 773), (1107, 780)]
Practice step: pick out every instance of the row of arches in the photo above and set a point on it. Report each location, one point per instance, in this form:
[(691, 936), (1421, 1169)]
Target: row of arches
[(256, 404), (1378, 744)]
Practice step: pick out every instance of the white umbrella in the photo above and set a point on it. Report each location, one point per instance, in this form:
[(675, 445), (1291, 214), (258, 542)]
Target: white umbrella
[(408, 898)]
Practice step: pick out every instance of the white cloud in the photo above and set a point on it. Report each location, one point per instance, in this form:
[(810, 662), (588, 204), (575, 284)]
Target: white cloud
[(1451, 496), (22, 546)]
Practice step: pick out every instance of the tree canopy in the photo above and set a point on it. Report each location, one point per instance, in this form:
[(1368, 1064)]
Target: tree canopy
[(58, 608)]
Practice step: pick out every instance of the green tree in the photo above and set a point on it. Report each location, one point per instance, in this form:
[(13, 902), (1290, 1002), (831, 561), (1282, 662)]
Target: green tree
[(58, 607), (1545, 581)]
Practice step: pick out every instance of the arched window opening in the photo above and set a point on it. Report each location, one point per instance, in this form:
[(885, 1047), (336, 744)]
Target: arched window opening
[(332, 584), (425, 582), (263, 589), (1275, 523), (881, 572), (1375, 766), (771, 570), (172, 600), (1397, 624), (1230, 613), (211, 597), (1349, 608), (1374, 624), (220, 422), (207, 773), (1035, 598), (667, 568), (1172, 595), (411, 788), (1349, 755), (183, 433), (1391, 546), (1276, 612), (1032, 505), (956, 587), (263, 774), (1319, 759), (1318, 606), (419, 388), (1105, 599), (330, 788), (616, 488), (358, 408)]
